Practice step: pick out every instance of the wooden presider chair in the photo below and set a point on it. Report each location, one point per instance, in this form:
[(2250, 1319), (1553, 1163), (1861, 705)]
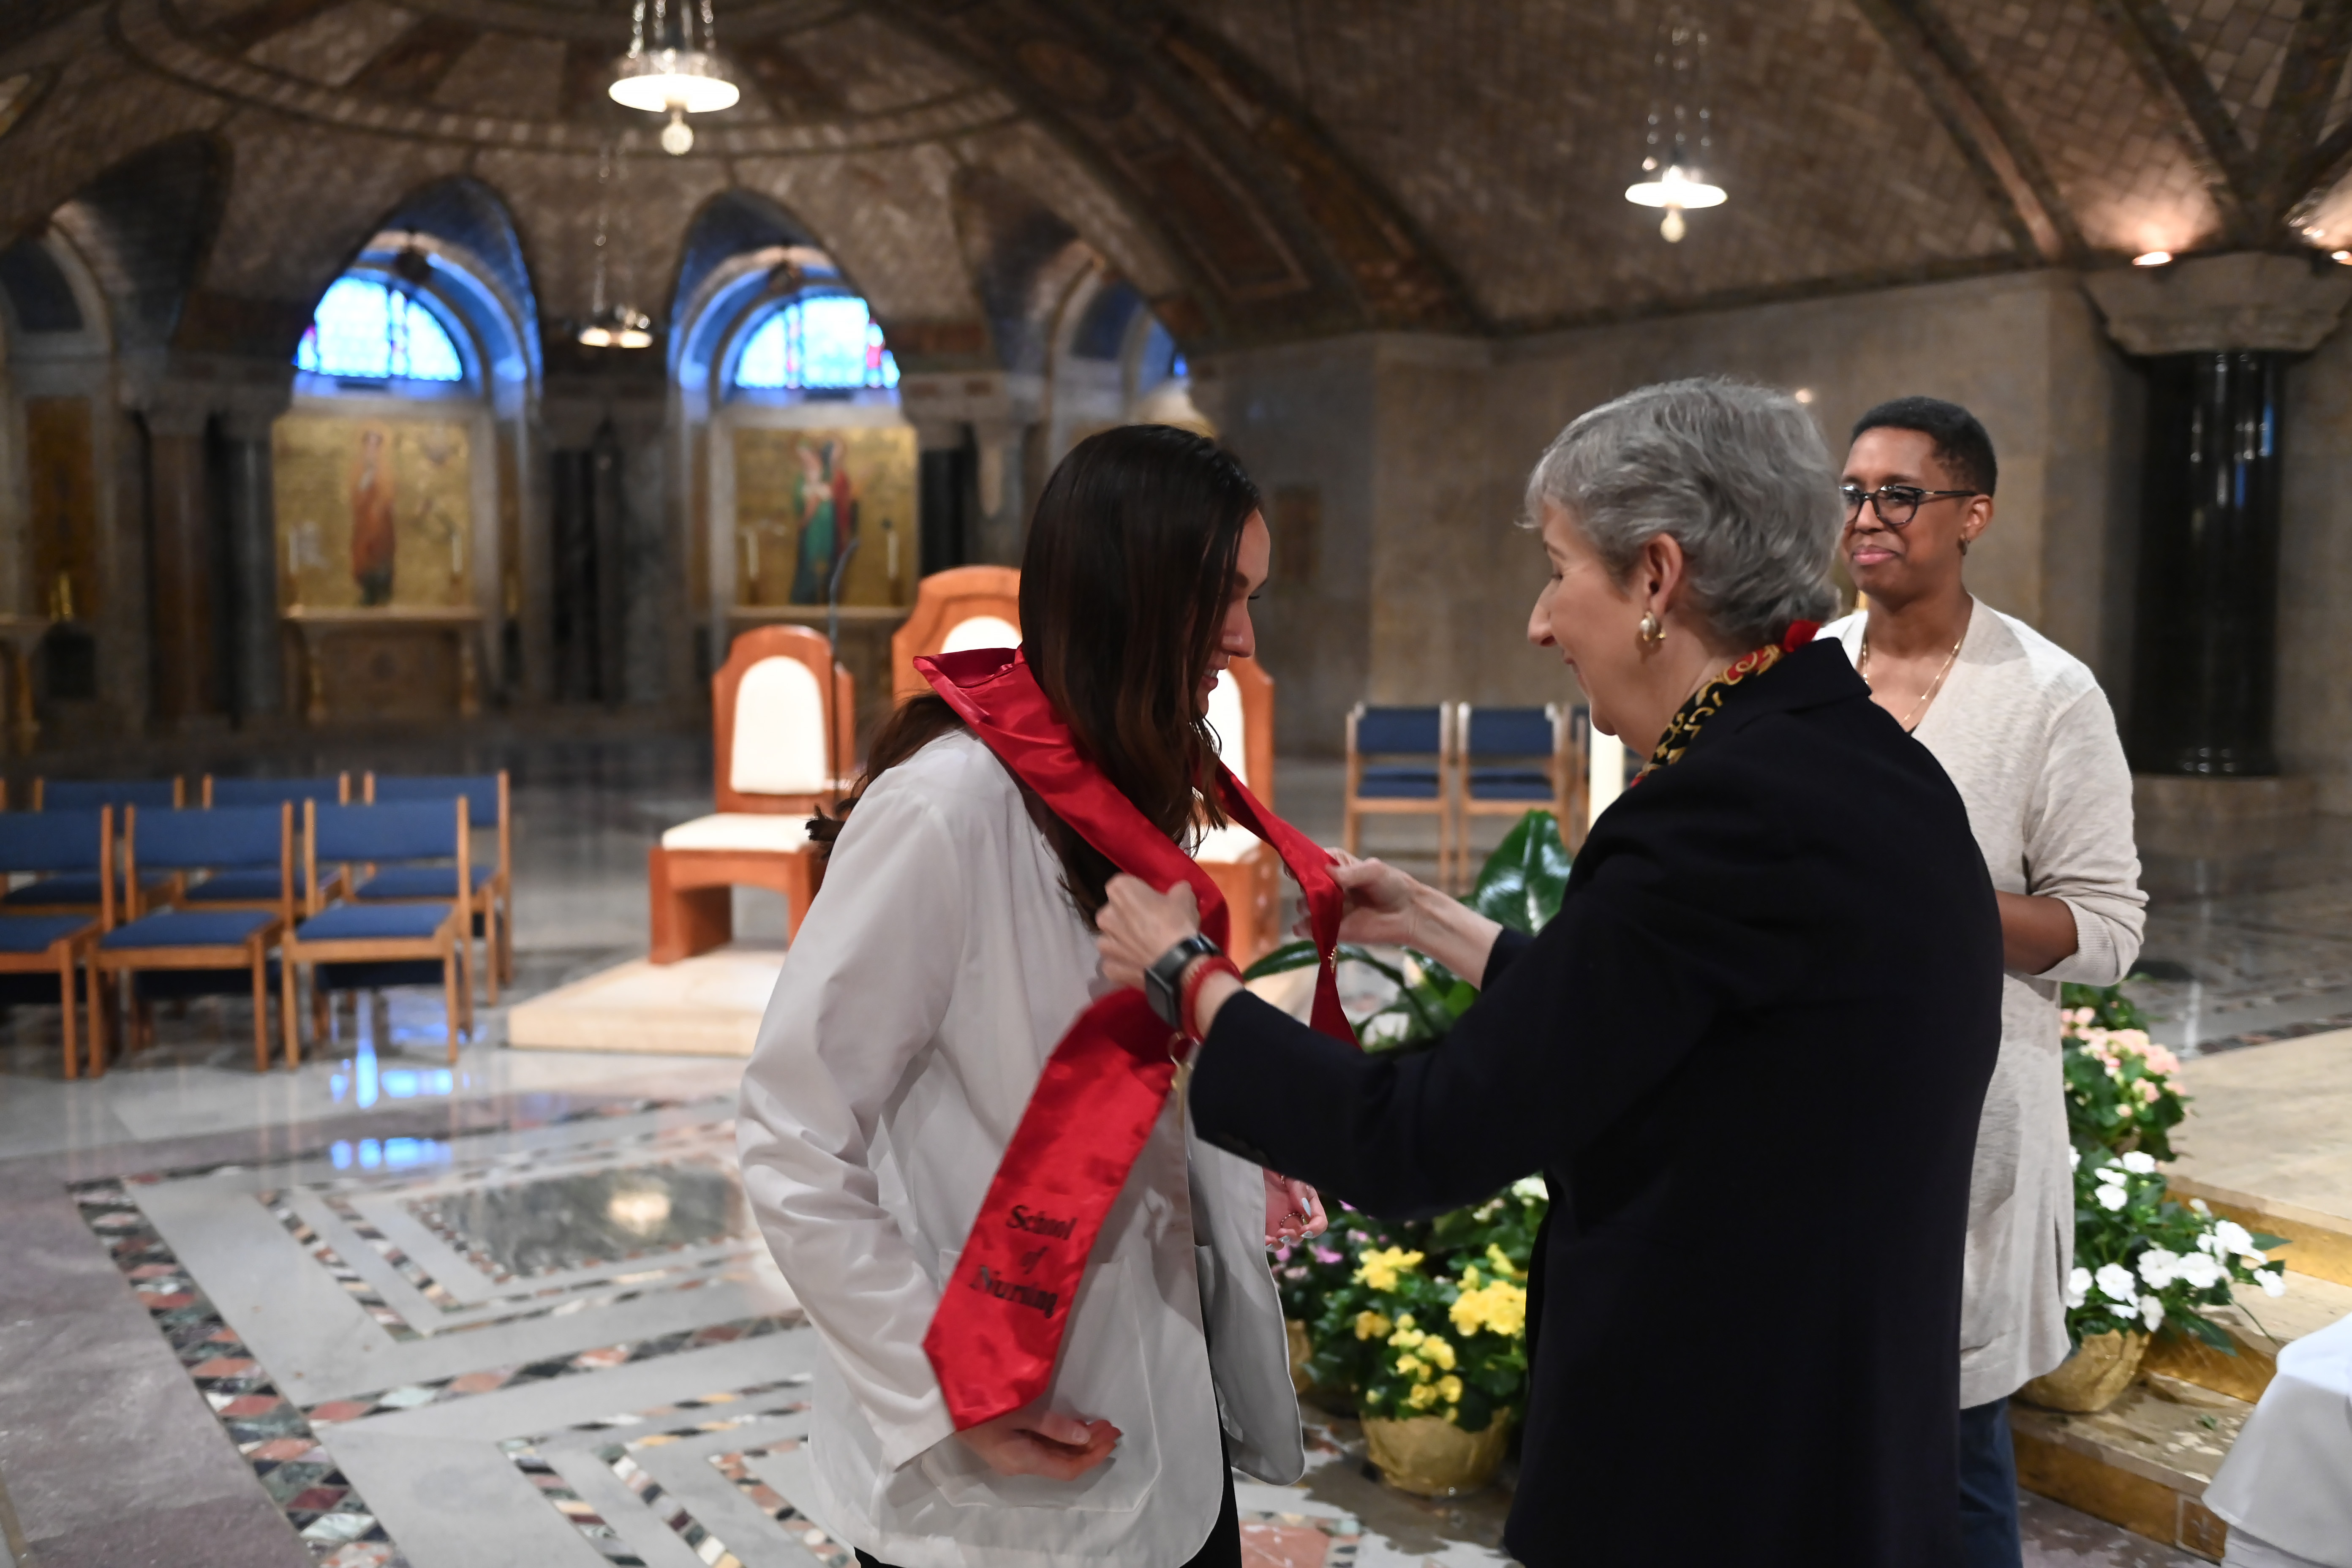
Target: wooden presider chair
[(962, 607), (1245, 868), (782, 716)]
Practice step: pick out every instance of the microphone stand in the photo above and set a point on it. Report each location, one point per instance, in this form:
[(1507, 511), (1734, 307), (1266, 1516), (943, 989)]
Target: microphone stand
[(833, 678)]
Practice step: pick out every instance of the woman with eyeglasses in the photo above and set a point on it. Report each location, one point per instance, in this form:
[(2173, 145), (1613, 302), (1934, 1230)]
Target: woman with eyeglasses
[(2025, 733), (1747, 1055)]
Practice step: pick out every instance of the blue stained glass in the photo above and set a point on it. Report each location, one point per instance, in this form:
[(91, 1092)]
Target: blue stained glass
[(829, 343), (371, 331)]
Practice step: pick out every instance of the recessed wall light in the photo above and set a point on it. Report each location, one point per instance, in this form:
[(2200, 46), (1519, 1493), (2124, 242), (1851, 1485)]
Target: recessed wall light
[(2152, 258)]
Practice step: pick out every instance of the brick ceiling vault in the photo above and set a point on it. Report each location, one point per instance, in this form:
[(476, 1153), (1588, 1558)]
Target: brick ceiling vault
[(1260, 170)]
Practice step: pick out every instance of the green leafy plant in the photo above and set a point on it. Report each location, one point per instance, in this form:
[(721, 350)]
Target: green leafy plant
[(2144, 1261)]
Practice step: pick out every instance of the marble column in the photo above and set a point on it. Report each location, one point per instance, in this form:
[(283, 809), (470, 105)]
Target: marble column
[(2215, 335), (180, 578), (252, 646)]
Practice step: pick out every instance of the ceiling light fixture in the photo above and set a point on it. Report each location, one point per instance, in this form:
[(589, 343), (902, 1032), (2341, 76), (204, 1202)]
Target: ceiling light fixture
[(613, 326), (1681, 127), (2152, 258), (675, 71)]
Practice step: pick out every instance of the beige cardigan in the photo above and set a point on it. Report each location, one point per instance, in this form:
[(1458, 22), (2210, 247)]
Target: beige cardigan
[(2026, 734)]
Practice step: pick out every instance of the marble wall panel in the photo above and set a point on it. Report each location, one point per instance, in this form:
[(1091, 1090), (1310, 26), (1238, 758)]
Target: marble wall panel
[(1422, 447), (2313, 731)]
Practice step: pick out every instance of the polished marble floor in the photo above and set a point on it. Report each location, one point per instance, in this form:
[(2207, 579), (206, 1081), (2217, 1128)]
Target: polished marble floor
[(391, 1309)]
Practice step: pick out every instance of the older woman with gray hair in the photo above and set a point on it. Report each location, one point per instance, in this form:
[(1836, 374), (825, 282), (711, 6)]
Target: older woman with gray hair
[(1746, 1057)]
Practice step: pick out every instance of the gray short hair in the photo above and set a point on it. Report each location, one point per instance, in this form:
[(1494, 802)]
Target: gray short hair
[(1738, 474)]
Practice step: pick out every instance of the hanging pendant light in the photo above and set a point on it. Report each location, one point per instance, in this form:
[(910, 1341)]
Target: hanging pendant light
[(1681, 131), (613, 325), (671, 69)]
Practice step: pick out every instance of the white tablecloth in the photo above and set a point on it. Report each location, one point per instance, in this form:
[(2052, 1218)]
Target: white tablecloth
[(2287, 1482)]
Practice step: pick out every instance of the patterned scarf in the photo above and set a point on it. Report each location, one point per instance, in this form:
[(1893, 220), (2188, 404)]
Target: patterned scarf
[(1708, 700)]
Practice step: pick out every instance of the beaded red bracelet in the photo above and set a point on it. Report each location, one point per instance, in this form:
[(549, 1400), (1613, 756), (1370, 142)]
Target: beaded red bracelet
[(1194, 978)]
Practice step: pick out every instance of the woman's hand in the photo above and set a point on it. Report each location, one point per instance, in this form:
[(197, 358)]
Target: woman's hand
[(1293, 1212), (1380, 904), (1385, 908), (1137, 925), (1041, 1443)]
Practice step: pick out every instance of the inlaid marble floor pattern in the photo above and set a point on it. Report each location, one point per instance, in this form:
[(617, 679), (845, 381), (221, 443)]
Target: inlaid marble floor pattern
[(561, 1343)]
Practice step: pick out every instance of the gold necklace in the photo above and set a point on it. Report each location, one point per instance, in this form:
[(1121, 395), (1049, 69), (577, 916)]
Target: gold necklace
[(1911, 719)]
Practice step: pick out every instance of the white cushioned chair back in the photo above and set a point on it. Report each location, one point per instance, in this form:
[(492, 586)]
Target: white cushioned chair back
[(1226, 718), (779, 731), (980, 631)]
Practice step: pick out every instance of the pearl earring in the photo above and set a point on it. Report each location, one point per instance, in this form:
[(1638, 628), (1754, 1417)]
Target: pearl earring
[(1650, 630)]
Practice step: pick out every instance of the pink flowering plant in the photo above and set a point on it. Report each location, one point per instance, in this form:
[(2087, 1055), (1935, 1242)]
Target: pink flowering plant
[(2122, 1090), (2143, 1260)]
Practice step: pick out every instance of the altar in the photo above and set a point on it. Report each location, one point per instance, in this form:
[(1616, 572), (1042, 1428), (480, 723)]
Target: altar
[(396, 661)]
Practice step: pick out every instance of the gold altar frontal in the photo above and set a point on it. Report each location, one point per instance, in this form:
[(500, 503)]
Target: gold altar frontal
[(2263, 1145), (396, 662)]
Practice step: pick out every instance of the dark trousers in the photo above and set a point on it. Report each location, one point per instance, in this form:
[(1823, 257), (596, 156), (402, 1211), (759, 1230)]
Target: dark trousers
[(1989, 1530), (1222, 1550)]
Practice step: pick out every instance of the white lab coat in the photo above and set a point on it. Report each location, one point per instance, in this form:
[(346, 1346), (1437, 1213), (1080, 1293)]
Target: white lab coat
[(933, 976)]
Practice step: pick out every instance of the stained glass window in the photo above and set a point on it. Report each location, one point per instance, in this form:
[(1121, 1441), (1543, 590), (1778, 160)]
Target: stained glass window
[(827, 343), (370, 331)]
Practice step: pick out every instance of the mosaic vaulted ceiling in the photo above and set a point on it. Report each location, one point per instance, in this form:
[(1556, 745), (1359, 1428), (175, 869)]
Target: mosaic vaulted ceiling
[(1260, 169)]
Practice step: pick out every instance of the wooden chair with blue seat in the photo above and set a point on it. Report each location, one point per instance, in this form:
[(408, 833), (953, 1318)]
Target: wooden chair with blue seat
[(1513, 761), (175, 954), (74, 893), (1246, 869), (487, 808), (256, 888), (45, 957), (357, 946), (1418, 746), (781, 716)]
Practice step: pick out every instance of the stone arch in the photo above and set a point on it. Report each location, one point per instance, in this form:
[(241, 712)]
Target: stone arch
[(144, 227)]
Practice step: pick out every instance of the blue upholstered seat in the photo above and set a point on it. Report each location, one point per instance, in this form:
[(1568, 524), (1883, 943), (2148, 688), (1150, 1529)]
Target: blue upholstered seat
[(73, 887), (421, 881), (374, 922), (1510, 784), (187, 928), (35, 933), (1390, 781)]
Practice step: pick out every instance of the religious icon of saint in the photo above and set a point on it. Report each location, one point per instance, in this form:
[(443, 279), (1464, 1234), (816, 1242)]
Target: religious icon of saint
[(374, 538), (827, 502)]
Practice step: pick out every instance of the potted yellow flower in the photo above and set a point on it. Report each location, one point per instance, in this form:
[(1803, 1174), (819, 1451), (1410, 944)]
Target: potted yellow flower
[(1446, 1365)]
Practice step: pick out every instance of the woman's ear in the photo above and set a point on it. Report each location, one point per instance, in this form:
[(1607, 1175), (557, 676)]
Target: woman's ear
[(1662, 568)]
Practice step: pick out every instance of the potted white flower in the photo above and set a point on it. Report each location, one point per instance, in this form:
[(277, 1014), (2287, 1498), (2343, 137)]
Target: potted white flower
[(2143, 1263)]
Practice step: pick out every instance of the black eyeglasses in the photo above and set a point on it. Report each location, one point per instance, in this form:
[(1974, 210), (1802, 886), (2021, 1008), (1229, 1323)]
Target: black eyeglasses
[(1896, 504)]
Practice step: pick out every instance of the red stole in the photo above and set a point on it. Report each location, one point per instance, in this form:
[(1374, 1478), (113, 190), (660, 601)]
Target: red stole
[(1001, 1315)]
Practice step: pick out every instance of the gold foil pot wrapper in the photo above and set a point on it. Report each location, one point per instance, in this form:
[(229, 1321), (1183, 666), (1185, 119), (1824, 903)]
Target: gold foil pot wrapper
[(2093, 1377), (1429, 1457)]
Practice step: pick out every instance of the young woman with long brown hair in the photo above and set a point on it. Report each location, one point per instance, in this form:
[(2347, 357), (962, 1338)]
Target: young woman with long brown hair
[(1035, 1289)]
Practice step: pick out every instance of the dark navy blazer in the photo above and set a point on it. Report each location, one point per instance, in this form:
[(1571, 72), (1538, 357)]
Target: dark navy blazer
[(1748, 1057)]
